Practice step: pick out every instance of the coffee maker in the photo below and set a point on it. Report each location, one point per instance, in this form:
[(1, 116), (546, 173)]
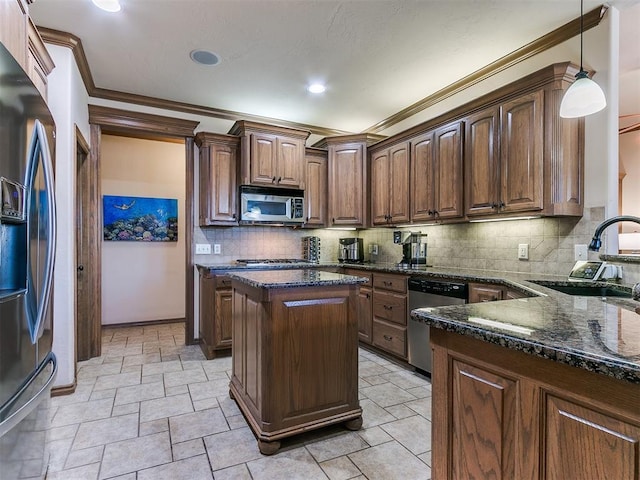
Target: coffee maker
[(350, 250), (414, 247)]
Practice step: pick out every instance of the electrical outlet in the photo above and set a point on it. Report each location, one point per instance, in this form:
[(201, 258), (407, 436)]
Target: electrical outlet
[(374, 249), (580, 252), (203, 248), (523, 251), (216, 249)]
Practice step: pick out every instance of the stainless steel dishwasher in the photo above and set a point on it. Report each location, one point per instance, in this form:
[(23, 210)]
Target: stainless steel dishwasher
[(425, 293)]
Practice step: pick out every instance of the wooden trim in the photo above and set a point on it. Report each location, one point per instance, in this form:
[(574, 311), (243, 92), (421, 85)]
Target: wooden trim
[(148, 323), (69, 40), (551, 39), (38, 49), (368, 138), (190, 215), (241, 126), (631, 128), (116, 120), (94, 214), (207, 138), (64, 390)]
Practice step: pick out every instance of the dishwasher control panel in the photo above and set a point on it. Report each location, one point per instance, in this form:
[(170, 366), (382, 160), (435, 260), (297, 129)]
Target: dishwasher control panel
[(449, 289)]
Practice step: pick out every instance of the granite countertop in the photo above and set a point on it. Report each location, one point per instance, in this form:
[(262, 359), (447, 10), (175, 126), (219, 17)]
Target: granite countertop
[(293, 278), (598, 334)]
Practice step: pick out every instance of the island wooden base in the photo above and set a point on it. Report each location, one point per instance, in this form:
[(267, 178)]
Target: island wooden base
[(503, 414), (295, 360)]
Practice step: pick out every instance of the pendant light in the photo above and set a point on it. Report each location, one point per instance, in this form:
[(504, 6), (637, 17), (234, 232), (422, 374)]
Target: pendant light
[(584, 96)]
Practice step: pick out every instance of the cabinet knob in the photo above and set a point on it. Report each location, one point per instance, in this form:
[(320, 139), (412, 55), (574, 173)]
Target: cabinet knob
[(501, 205), (234, 216), (80, 268), (388, 307), (388, 338)]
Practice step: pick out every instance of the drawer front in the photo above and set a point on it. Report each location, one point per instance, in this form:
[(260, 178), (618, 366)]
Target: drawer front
[(394, 283), (390, 307), (359, 273), (391, 338)]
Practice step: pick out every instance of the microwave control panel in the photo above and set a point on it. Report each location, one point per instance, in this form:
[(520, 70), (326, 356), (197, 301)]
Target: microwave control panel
[(298, 208)]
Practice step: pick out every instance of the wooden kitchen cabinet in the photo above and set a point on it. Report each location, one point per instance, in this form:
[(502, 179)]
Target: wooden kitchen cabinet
[(390, 185), (216, 300), (365, 306), (218, 187), (487, 292), (436, 190), (316, 192), (348, 181), (389, 313), (14, 29), (505, 414), (270, 155)]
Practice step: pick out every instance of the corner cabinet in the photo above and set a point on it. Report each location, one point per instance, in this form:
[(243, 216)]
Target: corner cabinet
[(316, 192), (522, 158), (218, 187), (436, 190), (271, 155), (504, 414), (390, 185)]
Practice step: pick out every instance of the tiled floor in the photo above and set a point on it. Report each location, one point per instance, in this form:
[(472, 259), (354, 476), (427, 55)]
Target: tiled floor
[(152, 408)]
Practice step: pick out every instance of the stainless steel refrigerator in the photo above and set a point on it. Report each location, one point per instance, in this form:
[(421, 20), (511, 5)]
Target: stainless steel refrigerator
[(27, 251)]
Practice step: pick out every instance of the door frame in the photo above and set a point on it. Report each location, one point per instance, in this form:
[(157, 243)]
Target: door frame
[(144, 126)]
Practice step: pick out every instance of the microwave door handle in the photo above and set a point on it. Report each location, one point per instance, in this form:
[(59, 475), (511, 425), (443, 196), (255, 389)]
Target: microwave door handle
[(290, 208)]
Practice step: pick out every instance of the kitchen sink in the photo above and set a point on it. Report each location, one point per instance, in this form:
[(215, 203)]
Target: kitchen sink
[(586, 289)]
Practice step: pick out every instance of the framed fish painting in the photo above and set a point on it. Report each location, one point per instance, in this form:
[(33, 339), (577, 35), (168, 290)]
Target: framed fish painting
[(140, 219)]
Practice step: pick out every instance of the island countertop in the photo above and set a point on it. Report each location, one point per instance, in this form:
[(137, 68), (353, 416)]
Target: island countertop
[(295, 278)]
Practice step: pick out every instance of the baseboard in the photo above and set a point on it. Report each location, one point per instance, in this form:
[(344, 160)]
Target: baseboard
[(64, 390), (146, 323)]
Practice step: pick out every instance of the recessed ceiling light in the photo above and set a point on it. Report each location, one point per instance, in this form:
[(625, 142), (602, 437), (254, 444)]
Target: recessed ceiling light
[(316, 88), (204, 57), (107, 5)]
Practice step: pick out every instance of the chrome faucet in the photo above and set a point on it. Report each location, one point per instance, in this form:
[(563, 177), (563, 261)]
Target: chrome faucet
[(595, 241)]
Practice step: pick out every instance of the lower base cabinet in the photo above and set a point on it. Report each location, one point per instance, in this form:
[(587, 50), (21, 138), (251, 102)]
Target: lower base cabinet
[(215, 314), (389, 312), (295, 360), (504, 414)]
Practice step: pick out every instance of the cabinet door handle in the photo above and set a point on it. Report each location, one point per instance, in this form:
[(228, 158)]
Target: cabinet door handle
[(430, 212), (388, 338), (388, 307), (234, 216), (273, 180), (279, 179), (367, 295), (387, 284), (501, 205)]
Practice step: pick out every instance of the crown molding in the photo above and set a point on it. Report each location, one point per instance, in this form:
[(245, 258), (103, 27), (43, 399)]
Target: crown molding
[(125, 121), (551, 39)]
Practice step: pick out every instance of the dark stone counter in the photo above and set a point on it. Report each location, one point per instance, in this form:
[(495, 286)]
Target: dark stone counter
[(293, 278)]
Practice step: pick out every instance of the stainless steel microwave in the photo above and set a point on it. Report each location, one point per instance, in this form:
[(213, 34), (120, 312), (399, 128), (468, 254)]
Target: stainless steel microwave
[(271, 205)]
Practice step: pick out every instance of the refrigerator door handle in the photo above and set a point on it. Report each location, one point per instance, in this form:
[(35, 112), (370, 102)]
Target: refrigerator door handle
[(43, 392), (40, 145)]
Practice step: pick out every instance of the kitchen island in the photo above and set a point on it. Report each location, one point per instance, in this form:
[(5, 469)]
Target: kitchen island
[(295, 352), (536, 388)]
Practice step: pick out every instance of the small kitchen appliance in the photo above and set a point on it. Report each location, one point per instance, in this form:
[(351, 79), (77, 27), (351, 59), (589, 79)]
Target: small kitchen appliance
[(350, 250), (268, 205), (414, 247)]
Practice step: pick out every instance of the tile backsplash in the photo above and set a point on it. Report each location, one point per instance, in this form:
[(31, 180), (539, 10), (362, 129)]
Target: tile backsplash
[(486, 246)]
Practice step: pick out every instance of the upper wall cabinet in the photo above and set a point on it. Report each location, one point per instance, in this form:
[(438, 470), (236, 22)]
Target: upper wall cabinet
[(316, 192), (436, 174), (218, 186), (521, 157), (271, 155), (390, 185), (13, 29)]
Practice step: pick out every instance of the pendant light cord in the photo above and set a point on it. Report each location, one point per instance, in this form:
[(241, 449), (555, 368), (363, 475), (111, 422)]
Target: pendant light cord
[(581, 29)]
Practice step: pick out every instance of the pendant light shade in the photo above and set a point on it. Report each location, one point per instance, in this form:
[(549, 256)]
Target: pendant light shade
[(584, 96)]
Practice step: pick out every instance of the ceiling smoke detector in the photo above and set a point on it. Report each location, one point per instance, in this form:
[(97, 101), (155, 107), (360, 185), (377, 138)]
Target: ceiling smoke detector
[(204, 57)]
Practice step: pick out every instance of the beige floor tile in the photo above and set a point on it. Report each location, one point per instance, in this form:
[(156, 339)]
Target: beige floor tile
[(369, 369), (139, 393), (390, 461), (162, 367), (125, 409), (400, 411), (421, 407), (421, 391), (373, 415), (231, 448), (193, 468), (154, 426), (426, 457), (237, 472), (135, 454), (58, 451), (414, 433), (197, 424), (215, 388), (405, 379), (105, 382), (387, 394), (374, 435), (295, 464), (109, 430), (340, 468), (94, 371), (165, 407), (190, 448), (336, 446), (86, 456), (86, 472), (82, 412), (177, 390)]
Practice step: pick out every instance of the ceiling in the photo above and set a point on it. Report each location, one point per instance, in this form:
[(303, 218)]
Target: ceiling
[(376, 57)]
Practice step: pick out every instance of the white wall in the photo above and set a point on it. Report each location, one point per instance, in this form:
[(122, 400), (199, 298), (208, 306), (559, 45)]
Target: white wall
[(143, 281), (68, 103)]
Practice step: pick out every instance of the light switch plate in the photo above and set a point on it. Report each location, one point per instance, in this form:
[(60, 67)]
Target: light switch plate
[(580, 252), (523, 251), (203, 248), (216, 249)]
